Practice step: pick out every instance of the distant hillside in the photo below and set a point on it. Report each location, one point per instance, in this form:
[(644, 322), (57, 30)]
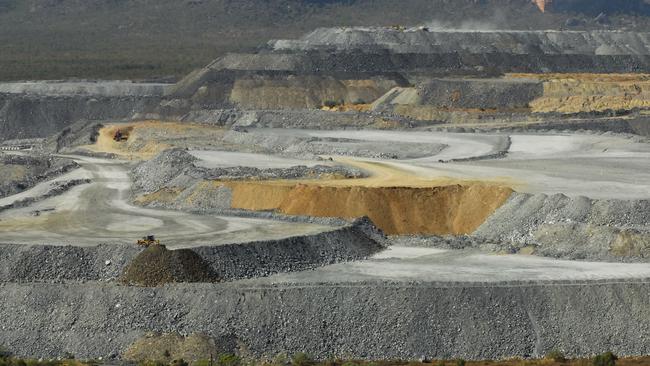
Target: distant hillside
[(52, 39)]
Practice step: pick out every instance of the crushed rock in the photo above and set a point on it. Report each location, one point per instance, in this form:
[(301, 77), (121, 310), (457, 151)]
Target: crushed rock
[(571, 227)]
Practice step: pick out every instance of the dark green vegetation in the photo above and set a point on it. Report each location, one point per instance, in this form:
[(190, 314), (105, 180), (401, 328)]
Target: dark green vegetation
[(153, 39)]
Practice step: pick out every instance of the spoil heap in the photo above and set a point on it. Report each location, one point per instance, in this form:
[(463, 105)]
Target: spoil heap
[(157, 265)]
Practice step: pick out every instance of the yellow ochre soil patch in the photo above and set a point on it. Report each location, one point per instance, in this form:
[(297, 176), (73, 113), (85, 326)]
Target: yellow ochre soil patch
[(576, 104), (583, 77), (171, 346), (149, 138), (395, 200), (348, 107), (573, 93), (451, 209)]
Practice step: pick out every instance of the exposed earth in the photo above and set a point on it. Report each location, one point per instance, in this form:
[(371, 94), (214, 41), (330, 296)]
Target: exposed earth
[(370, 193)]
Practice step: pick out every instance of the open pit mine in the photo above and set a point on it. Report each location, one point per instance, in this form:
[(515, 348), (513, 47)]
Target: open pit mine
[(368, 192)]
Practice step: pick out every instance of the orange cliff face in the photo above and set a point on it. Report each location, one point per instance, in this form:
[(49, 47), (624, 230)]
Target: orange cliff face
[(543, 4)]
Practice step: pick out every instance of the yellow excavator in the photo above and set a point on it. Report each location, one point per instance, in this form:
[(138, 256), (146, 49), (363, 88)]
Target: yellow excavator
[(148, 241)]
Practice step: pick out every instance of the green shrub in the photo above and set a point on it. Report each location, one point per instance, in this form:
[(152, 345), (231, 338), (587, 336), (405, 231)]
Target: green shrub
[(301, 359), (179, 362), (331, 103), (281, 360), (606, 359), (227, 359), (151, 363), (460, 362), (556, 356)]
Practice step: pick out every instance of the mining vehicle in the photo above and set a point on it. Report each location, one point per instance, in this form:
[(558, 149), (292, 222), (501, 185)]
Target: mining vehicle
[(121, 135), (148, 241)]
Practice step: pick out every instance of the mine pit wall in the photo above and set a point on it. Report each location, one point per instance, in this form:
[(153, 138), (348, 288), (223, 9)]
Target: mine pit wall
[(42, 263), (301, 92), (636, 125), (302, 119), (444, 210), (211, 86), (256, 89), (350, 320), (28, 116), (479, 94)]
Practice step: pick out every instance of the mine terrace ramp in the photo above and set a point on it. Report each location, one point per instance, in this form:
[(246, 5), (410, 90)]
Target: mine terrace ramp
[(100, 213)]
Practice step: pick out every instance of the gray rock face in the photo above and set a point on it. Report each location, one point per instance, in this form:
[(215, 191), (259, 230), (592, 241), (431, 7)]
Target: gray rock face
[(485, 93), (88, 88), (18, 173), (27, 116), (355, 320), (306, 119)]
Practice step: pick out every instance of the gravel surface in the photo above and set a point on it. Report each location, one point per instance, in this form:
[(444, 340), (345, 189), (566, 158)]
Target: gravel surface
[(374, 320)]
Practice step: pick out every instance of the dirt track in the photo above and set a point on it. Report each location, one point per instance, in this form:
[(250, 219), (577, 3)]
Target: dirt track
[(100, 213)]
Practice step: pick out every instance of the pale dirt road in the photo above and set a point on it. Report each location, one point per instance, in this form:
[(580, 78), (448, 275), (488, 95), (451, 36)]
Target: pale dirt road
[(416, 264), (595, 166), (99, 212)]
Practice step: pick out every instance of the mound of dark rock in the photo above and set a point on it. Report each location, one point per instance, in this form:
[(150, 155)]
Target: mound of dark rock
[(156, 266)]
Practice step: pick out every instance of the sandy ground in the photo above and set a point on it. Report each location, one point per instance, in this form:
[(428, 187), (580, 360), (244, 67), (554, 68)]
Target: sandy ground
[(100, 213)]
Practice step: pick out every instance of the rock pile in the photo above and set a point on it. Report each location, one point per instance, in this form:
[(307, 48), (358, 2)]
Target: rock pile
[(157, 265), (176, 168), (572, 227)]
